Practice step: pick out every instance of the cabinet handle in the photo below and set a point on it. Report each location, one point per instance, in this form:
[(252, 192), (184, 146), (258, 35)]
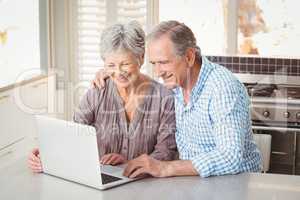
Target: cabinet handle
[(5, 154), (18, 140), (279, 153), (4, 97)]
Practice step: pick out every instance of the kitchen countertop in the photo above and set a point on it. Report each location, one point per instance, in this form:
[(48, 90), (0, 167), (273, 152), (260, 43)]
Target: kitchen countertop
[(18, 182)]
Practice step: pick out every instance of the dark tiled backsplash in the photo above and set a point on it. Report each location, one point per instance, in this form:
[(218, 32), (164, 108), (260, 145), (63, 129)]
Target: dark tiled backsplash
[(256, 65)]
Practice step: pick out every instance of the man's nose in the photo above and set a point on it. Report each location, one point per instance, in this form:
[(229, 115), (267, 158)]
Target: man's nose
[(158, 70)]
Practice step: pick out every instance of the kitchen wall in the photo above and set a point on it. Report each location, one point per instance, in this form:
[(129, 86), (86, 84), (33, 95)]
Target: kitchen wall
[(259, 65)]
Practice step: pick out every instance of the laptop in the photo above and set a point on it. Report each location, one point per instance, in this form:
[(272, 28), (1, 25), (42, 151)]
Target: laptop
[(69, 150)]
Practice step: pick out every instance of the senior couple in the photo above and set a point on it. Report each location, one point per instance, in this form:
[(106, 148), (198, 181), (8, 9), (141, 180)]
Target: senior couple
[(202, 110)]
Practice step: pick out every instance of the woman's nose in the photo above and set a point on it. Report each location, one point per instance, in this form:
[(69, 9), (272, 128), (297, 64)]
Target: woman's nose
[(120, 68)]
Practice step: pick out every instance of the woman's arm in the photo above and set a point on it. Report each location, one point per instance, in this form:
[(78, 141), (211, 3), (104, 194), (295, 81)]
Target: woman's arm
[(165, 148)]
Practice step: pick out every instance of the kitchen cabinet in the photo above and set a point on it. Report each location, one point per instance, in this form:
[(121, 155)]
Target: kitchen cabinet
[(16, 150), (9, 125), (18, 106)]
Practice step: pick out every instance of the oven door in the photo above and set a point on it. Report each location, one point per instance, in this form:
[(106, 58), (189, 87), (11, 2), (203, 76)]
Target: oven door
[(285, 148)]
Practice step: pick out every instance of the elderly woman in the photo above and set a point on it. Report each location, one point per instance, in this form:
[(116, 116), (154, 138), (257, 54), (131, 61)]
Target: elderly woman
[(133, 114)]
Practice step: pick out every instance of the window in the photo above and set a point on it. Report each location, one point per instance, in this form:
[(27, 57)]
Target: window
[(269, 28), (23, 40), (266, 28), (205, 18), (92, 16)]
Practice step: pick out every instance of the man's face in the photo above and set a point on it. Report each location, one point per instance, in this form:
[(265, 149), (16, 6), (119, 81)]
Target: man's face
[(167, 65)]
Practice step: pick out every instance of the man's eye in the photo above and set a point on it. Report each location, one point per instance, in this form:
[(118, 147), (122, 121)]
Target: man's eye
[(164, 62), (110, 66)]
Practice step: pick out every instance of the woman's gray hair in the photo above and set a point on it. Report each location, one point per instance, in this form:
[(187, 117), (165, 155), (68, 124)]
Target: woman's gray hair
[(128, 37), (180, 34)]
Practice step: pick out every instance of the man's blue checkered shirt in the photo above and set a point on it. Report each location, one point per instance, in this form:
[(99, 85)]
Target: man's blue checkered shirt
[(214, 129)]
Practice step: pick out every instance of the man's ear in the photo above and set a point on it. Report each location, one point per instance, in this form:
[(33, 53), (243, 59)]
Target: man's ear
[(190, 56)]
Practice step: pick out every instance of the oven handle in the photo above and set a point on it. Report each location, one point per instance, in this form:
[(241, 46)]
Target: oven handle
[(279, 153), (274, 128)]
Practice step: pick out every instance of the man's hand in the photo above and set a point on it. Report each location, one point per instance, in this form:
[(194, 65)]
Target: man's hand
[(145, 164), (100, 77), (112, 159), (34, 161)]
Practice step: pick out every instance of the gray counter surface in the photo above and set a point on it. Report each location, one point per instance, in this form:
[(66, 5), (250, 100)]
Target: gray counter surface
[(18, 182)]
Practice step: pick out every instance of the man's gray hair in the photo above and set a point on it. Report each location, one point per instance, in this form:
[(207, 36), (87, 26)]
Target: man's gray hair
[(128, 37), (181, 36)]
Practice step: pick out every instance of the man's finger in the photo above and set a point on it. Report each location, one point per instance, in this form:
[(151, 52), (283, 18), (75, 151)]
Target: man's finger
[(93, 84), (132, 166), (105, 75), (97, 83), (102, 83), (138, 172)]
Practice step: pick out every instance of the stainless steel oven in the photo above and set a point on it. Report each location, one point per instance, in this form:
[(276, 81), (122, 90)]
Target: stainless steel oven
[(275, 110)]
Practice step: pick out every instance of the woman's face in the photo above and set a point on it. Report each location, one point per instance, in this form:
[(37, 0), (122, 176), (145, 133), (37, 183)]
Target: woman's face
[(123, 66)]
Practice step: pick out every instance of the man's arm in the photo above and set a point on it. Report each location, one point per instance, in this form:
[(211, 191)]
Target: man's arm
[(148, 165), (181, 168), (229, 112)]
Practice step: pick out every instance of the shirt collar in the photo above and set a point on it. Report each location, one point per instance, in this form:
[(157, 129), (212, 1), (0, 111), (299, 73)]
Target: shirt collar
[(205, 70)]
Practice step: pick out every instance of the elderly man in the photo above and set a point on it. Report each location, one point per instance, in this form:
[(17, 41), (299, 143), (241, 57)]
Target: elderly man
[(213, 127)]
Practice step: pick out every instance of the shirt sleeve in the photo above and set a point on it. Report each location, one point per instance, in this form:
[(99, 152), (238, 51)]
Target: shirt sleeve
[(229, 113), (85, 112), (165, 148)]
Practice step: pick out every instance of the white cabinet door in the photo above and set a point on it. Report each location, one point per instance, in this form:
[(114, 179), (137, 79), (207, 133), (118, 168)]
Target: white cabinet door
[(18, 150), (10, 125), (17, 109), (32, 98)]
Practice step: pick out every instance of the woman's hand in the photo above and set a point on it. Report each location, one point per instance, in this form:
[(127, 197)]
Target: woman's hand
[(112, 159), (99, 80), (34, 161)]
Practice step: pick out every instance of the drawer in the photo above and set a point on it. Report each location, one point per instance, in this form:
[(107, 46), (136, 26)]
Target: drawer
[(9, 131), (15, 151), (32, 98)]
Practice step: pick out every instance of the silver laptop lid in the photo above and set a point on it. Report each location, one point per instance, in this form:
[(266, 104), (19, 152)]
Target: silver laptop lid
[(69, 150)]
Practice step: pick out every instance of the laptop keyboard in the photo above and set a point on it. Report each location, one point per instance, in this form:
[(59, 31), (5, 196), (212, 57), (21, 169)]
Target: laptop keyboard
[(108, 178)]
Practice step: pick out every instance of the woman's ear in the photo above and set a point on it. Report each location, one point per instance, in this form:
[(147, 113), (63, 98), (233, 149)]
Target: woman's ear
[(190, 56), (142, 60)]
